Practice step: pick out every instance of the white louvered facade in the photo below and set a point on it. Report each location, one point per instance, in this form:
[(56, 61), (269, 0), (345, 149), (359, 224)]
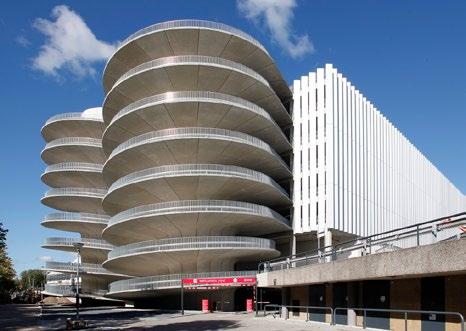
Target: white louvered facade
[(353, 170)]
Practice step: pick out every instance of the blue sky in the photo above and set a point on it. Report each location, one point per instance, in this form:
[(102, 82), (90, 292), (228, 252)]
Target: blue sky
[(407, 57)]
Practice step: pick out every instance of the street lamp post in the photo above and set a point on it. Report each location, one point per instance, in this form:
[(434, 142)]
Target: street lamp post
[(78, 246)]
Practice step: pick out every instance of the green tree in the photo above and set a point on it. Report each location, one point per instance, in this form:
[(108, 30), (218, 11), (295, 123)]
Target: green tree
[(31, 278), (7, 273)]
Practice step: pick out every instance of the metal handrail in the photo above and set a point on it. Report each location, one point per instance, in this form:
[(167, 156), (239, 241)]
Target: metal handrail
[(192, 96), (329, 253), (197, 133), (195, 170), (84, 217), (191, 23), (191, 243), (88, 242), (74, 166), (83, 141), (76, 191), (190, 60), (195, 206), (172, 280), (92, 268), (72, 116), (58, 276), (405, 312), (307, 308)]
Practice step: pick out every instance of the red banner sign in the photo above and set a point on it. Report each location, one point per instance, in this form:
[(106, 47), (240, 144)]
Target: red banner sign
[(224, 281)]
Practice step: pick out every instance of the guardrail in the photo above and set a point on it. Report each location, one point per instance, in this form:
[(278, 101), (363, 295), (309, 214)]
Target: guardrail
[(424, 233), (84, 217), (88, 242), (196, 133), (195, 170), (397, 311), (178, 24), (80, 141), (191, 60), (151, 283), (278, 310), (191, 243), (196, 206), (72, 116)]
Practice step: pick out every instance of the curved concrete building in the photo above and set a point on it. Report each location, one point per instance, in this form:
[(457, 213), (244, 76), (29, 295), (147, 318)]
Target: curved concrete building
[(196, 132), (75, 158)]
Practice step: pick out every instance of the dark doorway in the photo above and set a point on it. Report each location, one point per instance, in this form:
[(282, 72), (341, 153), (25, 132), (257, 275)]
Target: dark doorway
[(241, 295), (317, 299), (340, 299), (376, 294), (433, 298)]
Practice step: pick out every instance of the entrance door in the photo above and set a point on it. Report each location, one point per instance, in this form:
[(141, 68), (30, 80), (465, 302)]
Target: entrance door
[(433, 298), (317, 299), (241, 295), (340, 299), (376, 294)]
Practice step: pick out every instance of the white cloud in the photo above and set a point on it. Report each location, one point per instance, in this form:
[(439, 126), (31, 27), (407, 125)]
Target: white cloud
[(70, 45), (23, 41), (277, 16)]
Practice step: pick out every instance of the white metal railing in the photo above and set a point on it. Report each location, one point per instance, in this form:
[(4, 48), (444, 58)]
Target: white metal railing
[(71, 267), (66, 290), (192, 96), (70, 290), (56, 277), (196, 206), (74, 166), (76, 191), (191, 60), (72, 116), (192, 243), (446, 228), (174, 280), (180, 24), (88, 242), (194, 170), (79, 141), (196, 133), (84, 217)]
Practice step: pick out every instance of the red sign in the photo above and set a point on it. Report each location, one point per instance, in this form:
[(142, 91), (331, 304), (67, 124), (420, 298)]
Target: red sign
[(205, 305), (249, 305), (224, 281)]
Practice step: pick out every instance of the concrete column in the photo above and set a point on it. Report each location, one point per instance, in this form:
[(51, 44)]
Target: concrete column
[(353, 293), (293, 247), (328, 242), (285, 301)]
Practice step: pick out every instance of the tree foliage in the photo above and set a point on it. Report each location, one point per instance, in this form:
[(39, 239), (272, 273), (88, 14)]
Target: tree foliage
[(7, 273), (31, 278)]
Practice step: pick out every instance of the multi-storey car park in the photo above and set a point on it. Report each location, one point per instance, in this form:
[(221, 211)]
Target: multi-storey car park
[(74, 155), (196, 124), (190, 173)]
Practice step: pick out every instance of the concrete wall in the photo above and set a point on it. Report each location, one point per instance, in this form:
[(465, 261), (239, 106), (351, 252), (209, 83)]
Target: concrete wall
[(405, 294), (442, 258), (300, 294), (455, 299)]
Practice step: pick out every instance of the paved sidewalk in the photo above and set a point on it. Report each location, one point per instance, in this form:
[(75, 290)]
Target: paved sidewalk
[(19, 317)]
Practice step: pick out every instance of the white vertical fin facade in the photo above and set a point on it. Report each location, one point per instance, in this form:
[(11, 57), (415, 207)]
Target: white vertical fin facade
[(353, 170)]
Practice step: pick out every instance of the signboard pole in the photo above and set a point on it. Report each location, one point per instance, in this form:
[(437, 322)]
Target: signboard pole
[(255, 298), (182, 298)]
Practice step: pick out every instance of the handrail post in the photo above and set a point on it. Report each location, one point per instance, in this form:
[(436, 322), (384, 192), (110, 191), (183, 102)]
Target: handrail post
[(307, 314), (417, 235), (406, 321), (364, 319)]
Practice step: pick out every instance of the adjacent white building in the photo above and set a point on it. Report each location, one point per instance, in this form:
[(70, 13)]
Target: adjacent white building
[(354, 172)]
